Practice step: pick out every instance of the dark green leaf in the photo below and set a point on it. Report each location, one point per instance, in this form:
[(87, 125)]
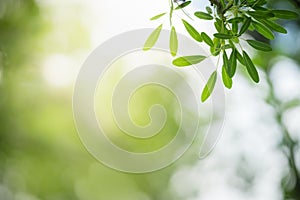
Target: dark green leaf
[(188, 60), (192, 31), (225, 61), (158, 16), (240, 58), (250, 67), (259, 45), (235, 27), (173, 42), (263, 30), (236, 20), (150, 42), (209, 10), (223, 36), (261, 14), (207, 39), (183, 5), (226, 79), (273, 25), (203, 15), (232, 64), (245, 26), (209, 87), (285, 14), (260, 8)]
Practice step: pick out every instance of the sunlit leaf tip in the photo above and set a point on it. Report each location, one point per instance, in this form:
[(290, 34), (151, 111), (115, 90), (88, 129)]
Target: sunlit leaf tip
[(157, 16)]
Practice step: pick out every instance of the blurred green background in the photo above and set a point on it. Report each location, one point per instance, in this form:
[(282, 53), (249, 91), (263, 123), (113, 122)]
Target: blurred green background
[(41, 156)]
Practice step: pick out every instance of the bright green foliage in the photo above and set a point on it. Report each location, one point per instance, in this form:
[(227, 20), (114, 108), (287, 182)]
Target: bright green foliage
[(226, 79), (203, 15), (192, 31), (231, 19), (209, 87), (157, 16)]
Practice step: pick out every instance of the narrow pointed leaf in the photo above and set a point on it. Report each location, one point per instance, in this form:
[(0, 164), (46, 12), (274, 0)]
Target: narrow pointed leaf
[(232, 64), (207, 39), (263, 30), (245, 26), (223, 36), (226, 79), (250, 67), (273, 26), (236, 20), (173, 42), (183, 5), (157, 16), (192, 31), (218, 25), (150, 42), (240, 58), (285, 14), (203, 15), (259, 45), (225, 61), (235, 27), (188, 60), (209, 87), (261, 14)]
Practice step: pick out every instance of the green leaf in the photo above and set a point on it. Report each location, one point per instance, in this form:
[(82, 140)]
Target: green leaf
[(240, 58), (192, 31), (245, 26), (285, 14), (227, 46), (173, 42), (273, 25), (261, 14), (236, 20), (150, 42), (218, 25), (225, 61), (259, 45), (188, 60), (260, 2), (157, 16), (235, 27), (216, 49), (263, 30), (183, 5), (232, 64), (250, 67), (226, 79), (203, 15), (207, 39), (223, 36), (209, 10), (209, 87)]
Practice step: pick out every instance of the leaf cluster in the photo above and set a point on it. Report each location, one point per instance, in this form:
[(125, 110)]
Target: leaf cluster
[(231, 19)]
